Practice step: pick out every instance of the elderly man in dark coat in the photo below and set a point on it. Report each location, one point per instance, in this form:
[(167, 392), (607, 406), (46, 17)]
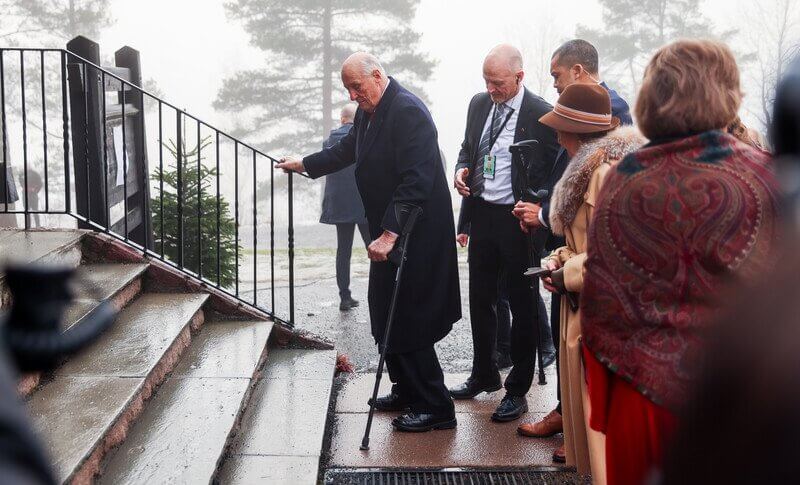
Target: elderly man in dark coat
[(342, 207), (394, 147)]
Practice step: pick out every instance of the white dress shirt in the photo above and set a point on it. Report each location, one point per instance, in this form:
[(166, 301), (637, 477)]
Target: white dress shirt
[(498, 190)]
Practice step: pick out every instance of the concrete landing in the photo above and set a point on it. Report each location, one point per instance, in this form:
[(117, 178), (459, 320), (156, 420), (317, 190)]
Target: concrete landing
[(182, 434), (280, 439), (20, 246), (476, 442)]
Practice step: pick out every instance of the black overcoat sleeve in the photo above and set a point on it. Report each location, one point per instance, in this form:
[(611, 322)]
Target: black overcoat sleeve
[(417, 158), (465, 214), (333, 159), (466, 145)]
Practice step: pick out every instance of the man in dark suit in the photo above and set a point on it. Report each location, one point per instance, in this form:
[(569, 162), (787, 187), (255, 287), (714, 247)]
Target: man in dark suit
[(341, 206), (394, 147), (488, 177), (574, 62)]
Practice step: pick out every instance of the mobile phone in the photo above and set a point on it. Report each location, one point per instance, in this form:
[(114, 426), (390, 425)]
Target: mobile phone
[(538, 272)]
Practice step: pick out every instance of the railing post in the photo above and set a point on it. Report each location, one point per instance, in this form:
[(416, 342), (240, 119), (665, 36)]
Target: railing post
[(128, 57), (24, 138), (291, 251), (86, 140), (179, 153), (65, 134)]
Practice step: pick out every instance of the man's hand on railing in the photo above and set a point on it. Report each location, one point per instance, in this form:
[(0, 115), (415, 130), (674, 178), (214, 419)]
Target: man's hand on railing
[(291, 164)]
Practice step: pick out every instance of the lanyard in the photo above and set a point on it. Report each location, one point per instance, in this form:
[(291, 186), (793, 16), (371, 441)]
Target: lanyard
[(492, 137)]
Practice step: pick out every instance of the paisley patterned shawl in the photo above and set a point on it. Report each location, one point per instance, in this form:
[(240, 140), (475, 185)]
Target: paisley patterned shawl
[(674, 224)]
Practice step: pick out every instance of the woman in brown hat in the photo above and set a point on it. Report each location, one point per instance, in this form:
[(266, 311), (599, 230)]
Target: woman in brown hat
[(586, 129)]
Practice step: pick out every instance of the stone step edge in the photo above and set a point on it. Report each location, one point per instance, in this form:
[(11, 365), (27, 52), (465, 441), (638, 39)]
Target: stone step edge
[(164, 278), (74, 246), (255, 379), (117, 432), (29, 382), (323, 435)]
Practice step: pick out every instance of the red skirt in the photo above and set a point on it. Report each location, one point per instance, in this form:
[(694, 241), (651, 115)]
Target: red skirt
[(637, 430)]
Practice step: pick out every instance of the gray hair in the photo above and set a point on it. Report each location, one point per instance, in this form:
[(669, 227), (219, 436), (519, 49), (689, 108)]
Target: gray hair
[(348, 112), (370, 63)]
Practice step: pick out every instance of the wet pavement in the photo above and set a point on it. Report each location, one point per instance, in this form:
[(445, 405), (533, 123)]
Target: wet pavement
[(476, 442), (317, 299)]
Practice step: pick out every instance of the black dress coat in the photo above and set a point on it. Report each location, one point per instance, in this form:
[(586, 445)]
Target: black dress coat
[(341, 203), (528, 127), (396, 154)]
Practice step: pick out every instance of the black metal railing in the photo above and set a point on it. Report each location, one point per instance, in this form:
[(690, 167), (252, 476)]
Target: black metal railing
[(95, 169)]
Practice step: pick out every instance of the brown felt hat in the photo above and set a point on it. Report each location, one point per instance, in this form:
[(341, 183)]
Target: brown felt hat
[(582, 108)]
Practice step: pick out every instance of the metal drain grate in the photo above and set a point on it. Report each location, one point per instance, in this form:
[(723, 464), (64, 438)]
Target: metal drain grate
[(452, 477)]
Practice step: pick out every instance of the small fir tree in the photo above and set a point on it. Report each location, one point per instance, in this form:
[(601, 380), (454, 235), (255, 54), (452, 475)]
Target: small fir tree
[(208, 217)]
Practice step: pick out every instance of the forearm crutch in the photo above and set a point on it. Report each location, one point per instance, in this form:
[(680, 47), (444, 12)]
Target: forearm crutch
[(397, 256)]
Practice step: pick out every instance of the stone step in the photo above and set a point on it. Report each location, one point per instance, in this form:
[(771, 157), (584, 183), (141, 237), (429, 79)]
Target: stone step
[(281, 436), (37, 246), (93, 284), (183, 433), (92, 399)]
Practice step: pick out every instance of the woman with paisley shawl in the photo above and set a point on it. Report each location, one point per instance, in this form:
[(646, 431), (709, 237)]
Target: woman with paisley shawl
[(677, 220), (588, 132)]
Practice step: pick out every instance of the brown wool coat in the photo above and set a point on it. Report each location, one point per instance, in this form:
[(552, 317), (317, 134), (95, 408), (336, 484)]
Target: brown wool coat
[(573, 202)]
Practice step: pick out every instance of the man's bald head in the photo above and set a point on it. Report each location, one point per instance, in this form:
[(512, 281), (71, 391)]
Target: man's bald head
[(502, 71), (505, 55), (365, 79)]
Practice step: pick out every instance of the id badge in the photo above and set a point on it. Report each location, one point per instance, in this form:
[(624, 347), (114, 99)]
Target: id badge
[(488, 166)]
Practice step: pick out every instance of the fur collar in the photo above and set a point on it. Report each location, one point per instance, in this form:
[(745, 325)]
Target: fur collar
[(569, 192)]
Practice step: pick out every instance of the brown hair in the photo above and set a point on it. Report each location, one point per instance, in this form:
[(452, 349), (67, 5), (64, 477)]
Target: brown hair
[(742, 133), (689, 86)]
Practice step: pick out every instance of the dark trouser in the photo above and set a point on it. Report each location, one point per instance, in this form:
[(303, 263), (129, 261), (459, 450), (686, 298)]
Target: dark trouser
[(417, 376), (555, 326), (504, 322), (497, 245), (344, 249)]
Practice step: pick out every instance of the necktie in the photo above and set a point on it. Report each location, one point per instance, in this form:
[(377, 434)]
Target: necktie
[(489, 136)]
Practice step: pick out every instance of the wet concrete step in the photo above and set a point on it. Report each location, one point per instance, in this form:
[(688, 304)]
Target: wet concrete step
[(19, 246), (183, 433), (280, 438), (91, 400), (22, 247), (95, 283)]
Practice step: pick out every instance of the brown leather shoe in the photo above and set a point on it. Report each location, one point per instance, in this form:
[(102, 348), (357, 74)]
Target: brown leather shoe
[(560, 455), (548, 426)]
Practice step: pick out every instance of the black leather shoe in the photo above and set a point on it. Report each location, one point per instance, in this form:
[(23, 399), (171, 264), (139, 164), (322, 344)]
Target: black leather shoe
[(510, 408), (390, 402), (414, 422), (347, 304), (471, 388), (548, 358)]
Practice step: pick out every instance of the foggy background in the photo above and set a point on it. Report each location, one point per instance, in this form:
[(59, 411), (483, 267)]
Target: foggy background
[(254, 67)]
